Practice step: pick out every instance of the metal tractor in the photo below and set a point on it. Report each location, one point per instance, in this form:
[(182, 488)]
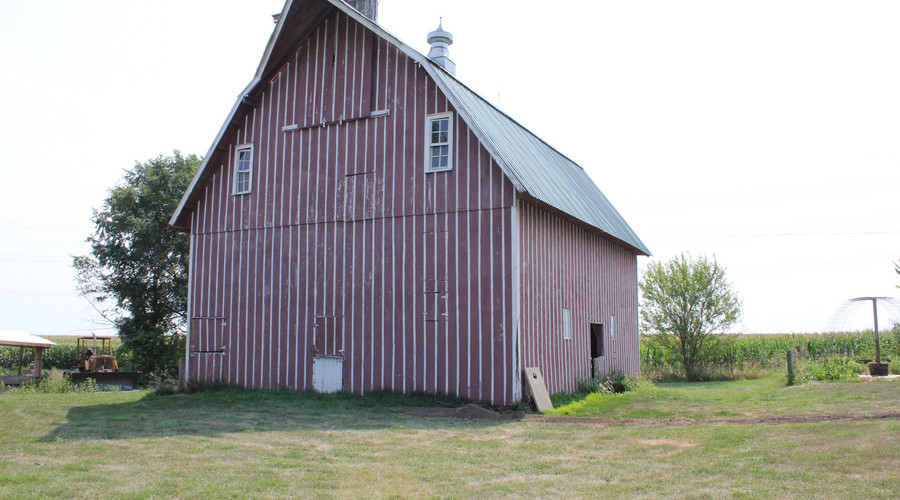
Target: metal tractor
[(98, 364)]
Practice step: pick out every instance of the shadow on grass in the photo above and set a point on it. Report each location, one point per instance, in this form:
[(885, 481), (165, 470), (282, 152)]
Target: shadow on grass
[(225, 411)]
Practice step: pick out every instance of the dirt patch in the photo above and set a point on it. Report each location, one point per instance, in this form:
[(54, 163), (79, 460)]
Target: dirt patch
[(468, 412)]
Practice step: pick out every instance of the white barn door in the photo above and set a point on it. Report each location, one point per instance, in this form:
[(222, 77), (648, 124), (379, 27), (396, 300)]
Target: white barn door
[(328, 373)]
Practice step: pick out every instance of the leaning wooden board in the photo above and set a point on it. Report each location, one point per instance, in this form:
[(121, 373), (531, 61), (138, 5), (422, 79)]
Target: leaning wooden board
[(538, 388)]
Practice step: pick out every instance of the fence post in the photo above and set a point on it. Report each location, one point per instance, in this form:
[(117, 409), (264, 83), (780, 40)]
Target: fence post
[(790, 367)]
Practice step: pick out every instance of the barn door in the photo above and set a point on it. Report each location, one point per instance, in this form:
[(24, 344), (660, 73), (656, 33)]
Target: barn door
[(328, 373)]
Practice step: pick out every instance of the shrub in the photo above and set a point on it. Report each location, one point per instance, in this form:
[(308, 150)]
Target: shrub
[(614, 383), (894, 366), (51, 385), (829, 369)]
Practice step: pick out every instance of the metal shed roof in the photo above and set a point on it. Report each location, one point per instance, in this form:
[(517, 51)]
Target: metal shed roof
[(23, 339)]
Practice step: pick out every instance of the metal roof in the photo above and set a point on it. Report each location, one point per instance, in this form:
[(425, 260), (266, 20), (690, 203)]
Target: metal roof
[(533, 165), (23, 339)]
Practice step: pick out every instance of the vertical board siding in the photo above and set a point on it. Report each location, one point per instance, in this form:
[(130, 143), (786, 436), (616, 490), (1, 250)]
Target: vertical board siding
[(565, 266), (345, 246)]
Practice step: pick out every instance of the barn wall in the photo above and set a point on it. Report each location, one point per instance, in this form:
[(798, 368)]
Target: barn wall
[(345, 246), (565, 266)]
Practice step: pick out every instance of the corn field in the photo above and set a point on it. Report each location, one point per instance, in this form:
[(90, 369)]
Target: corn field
[(737, 353), (61, 356)]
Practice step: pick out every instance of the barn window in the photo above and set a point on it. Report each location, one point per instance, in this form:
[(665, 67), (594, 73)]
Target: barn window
[(567, 324), (243, 168), (612, 327), (440, 142)]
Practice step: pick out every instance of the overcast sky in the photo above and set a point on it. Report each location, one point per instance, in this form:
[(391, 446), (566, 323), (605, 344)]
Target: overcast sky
[(764, 133)]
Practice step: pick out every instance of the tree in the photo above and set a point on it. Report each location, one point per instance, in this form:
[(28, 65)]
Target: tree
[(686, 302), (136, 273)]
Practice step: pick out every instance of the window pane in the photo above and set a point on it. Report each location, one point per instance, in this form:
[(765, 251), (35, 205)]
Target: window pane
[(439, 142), (243, 162), (243, 182)]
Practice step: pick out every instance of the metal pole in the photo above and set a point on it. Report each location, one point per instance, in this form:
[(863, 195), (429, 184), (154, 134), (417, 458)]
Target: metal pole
[(877, 344)]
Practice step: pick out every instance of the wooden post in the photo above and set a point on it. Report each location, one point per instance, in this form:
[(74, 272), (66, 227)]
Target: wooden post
[(790, 367), (38, 359), (21, 350)]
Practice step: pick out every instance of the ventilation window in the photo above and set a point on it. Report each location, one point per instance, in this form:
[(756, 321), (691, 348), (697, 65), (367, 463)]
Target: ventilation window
[(243, 168), (440, 142), (612, 327)]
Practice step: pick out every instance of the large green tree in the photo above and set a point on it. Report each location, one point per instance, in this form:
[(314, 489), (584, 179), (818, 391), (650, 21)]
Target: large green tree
[(687, 302), (137, 271)]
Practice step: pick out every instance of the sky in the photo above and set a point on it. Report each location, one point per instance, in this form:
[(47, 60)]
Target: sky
[(765, 134)]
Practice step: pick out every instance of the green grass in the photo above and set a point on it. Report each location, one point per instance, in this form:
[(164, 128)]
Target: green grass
[(766, 396), (234, 443)]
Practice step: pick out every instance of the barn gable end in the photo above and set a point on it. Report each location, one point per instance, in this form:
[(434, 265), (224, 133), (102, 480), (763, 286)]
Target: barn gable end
[(344, 251), (345, 246)]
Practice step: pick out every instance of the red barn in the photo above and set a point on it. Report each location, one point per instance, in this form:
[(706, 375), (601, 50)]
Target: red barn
[(365, 221)]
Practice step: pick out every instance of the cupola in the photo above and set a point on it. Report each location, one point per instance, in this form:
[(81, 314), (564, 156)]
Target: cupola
[(440, 41)]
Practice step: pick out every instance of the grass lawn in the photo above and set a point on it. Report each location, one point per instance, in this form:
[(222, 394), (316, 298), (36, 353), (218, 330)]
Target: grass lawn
[(234, 443), (766, 396)]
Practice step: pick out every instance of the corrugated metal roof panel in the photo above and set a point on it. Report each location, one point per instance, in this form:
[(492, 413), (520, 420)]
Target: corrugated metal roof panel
[(534, 166)]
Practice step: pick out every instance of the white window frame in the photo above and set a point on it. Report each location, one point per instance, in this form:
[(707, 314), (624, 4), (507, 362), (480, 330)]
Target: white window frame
[(567, 323), (612, 327), (249, 171), (429, 119)]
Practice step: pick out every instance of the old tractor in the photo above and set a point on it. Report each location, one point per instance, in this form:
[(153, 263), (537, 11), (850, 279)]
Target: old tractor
[(97, 363)]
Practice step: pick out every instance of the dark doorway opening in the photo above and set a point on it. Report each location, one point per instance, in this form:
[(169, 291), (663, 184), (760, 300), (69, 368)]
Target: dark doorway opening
[(596, 340)]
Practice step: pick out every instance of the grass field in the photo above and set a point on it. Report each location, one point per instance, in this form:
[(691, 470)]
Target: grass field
[(234, 443)]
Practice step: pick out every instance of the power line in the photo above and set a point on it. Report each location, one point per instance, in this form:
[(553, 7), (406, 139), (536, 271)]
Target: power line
[(766, 235)]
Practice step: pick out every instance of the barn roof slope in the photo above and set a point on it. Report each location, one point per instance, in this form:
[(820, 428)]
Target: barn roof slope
[(536, 169), (534, 166)]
